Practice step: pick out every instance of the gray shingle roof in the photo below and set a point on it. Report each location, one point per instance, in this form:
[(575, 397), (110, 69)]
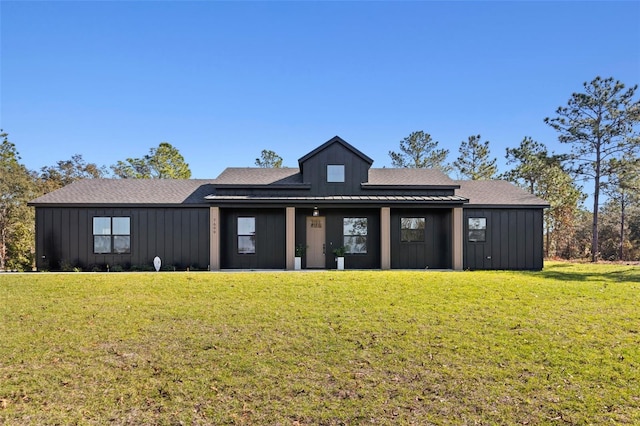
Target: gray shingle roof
[(497, 193), (130, 191), (259, 176), (409, 177), (286, 176), (194, 191)]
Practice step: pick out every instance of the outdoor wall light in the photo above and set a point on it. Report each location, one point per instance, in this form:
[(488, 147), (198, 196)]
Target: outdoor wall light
[(316, 212)]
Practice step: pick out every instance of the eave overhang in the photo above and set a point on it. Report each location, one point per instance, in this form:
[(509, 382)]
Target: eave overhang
[(120, 205), (507, 206)]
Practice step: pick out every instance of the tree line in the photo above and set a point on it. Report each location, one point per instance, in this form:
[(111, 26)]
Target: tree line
[(600, 124), (18, 186)]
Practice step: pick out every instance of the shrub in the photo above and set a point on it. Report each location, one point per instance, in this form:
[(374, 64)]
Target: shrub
[(95, 268), (142, 268), (66, 266)]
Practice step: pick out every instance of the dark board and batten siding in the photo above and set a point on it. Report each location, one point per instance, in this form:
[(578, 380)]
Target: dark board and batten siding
[(334, 237), (315, 172), (513, 240), (179, 236), (270, 239), (432, 253)]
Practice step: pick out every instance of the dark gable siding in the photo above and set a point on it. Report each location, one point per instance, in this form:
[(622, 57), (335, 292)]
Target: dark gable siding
[(270, 239), (180, 236), (434, 253), (315, 171), (513, 240)]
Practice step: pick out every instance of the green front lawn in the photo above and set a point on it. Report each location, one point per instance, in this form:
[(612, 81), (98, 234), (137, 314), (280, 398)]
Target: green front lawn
[(561, 346)]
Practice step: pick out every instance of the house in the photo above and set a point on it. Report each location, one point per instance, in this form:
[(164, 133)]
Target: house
[(254, 218)]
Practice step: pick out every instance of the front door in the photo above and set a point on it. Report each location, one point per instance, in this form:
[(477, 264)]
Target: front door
[(316, 242)]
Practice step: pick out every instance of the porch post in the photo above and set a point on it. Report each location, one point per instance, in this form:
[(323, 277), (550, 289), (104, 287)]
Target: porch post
[(290, 237), (458, 239), (214, 238), (385, 238)]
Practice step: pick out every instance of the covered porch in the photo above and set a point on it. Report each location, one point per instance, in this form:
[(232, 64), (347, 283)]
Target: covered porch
[(403, 234)]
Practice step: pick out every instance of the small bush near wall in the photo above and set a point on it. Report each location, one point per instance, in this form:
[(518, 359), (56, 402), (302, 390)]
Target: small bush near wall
[(142, 268), (66, 266)]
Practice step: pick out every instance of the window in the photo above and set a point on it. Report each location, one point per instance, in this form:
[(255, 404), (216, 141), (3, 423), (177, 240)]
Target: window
[(412, 229), (111, 235), (477, 229), (335, 173), (354, 231), (246, 235)]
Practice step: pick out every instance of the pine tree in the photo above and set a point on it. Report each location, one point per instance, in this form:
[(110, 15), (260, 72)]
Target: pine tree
[(474, 161), (269, 159), (600, 124), (419, 151), (163, 162)]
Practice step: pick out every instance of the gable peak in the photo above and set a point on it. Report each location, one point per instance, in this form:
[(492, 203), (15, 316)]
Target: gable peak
[(335, 140)]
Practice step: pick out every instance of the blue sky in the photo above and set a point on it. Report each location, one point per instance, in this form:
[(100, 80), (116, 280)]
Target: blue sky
[(223, 80)]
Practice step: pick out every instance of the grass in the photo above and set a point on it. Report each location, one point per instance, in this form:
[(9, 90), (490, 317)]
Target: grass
[(561, 346)]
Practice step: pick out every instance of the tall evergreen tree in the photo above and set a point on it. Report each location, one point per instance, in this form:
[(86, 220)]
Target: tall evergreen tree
[(600, 124), (474, 161), (269, 159), (419, 151), (163, 162), (530, 159)]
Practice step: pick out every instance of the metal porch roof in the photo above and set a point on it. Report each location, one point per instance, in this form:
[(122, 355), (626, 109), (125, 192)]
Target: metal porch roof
[(429, 199)]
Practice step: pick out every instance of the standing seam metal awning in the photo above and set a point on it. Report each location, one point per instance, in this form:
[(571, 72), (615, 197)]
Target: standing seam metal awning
[(343, 198)]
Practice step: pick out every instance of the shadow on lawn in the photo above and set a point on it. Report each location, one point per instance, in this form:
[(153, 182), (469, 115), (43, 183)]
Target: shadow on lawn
[(560, 272)]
